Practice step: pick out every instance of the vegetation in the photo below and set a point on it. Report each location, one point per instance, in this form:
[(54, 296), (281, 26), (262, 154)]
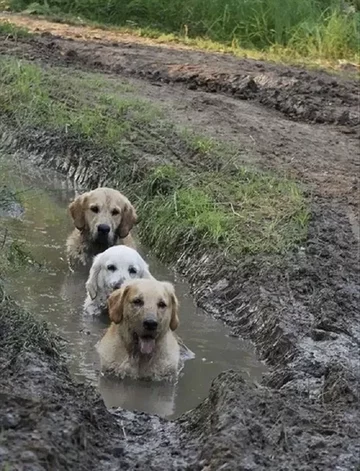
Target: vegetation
[(9, 29), (13, 254), (7, 197), (21, 332), (219, 204), (315, 28)]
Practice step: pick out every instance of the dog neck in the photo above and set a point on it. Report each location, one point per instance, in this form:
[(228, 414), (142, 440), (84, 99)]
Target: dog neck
[(91, 247)]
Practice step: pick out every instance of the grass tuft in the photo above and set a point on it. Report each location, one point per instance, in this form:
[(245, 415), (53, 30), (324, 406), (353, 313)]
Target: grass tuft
[(184, 219), (10, 30), (188, 195), (249, 212)]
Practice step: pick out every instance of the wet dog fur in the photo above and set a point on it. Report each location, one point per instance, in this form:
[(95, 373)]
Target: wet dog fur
[(102, 218), (140, 343), (108, 272)]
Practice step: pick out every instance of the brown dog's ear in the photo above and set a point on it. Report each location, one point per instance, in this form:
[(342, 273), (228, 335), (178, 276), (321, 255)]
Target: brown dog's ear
[(76, 209), (128, 220), (116, 304), (174, 321)]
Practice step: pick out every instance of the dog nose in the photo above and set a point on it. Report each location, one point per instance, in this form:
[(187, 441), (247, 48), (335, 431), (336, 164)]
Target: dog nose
[(150, 324), (117, 285), (103, 229)]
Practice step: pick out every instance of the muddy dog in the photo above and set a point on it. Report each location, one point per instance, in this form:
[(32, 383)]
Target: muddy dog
[(103, 218), (108, 272), (140, 343)]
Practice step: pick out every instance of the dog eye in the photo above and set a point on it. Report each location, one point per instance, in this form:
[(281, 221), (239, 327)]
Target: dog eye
[(111, 267), (95, 209), (138, 302), (161, 304), (115, 212), (132, 271)]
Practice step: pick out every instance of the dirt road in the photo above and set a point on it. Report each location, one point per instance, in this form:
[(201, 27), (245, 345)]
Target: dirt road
[(301, 311), (303, 123)]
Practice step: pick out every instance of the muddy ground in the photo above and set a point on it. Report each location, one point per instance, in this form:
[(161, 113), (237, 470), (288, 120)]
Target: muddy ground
[(301, 310)]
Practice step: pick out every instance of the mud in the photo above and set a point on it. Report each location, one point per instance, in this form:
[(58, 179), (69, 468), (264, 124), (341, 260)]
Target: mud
[(299, 94), (65, 425), (302, 313), (277, 430), (239, 426), (301, 310)]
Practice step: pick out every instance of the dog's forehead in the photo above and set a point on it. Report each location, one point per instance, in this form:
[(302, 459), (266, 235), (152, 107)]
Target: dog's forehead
[(106, 197), (149, 289), (121, 256)]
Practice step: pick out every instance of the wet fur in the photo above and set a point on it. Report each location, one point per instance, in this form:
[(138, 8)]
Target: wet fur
[(81, 245), (102, 282), (119, 350)]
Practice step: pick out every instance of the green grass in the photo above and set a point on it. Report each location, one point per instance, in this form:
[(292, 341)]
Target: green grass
[(317, 28), (189, 191), (249, 212), (9, 29)]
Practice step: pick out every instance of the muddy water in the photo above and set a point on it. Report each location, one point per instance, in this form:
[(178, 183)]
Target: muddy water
[(56, 295)]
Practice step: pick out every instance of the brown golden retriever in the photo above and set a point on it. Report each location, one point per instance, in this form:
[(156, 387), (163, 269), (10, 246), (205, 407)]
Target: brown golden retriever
[(103, 218), (140, 342)]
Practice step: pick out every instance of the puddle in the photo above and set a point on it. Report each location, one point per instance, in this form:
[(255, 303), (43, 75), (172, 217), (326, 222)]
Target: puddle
[(57, 296)]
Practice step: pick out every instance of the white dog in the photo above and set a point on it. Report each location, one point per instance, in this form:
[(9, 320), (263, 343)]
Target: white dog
[(108, 272)]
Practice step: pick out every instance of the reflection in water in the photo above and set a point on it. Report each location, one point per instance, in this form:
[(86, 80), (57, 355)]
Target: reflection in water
[(57, 295), (154, 397)]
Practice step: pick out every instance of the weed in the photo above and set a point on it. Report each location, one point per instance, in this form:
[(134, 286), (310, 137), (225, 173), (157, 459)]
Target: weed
[(14, 255), (203, 145), (9, 29)]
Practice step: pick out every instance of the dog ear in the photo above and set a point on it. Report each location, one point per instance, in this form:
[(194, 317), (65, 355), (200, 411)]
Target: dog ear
[(174, 321), (92, 282), (128, 220), (116, 304), (76, 209), (146, 273)]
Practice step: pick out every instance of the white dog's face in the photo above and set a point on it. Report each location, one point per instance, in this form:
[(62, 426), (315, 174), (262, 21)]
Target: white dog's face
[(111, 268)]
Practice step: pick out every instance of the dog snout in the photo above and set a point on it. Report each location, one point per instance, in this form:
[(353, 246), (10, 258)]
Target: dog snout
[(117, 284), (150, 324), (103, 229)]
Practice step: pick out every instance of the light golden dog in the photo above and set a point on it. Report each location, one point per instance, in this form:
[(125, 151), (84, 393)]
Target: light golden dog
[(103, 218), (140, 342)]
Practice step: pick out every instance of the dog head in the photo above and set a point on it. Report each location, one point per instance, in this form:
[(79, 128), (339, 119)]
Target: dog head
[(145, 310), (110, 269), (104, 215)]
